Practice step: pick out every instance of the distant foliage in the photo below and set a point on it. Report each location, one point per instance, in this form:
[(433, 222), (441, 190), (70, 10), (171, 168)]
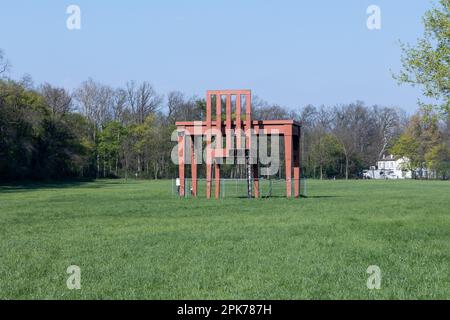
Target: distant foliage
[(34, 144), (102, 132), (427, 64)]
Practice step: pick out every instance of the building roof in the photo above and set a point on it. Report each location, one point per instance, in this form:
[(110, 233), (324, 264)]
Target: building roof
[(389, 158)]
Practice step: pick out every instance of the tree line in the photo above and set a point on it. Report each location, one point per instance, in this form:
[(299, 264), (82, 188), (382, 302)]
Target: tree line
[(97, 131)]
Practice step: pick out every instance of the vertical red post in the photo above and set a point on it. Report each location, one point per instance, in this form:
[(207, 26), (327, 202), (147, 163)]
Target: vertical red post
[(218, 144), (228, 124), (248, 119), (208, 180), (208, 145), (217, 177), (248, 131), (193, 167), (296, 182), (288, 162), (181, 161), (300, 154), (238, 122), (297, 166), (256, 180)]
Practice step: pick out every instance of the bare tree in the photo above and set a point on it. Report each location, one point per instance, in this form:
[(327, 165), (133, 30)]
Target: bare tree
[(181, 108), (4, 64), (319, 143), (95, 101), (57, 99), (387, 125), (119, 105), (143, 100), (105, 105), (352, 126), (175, 101), (262, 110)]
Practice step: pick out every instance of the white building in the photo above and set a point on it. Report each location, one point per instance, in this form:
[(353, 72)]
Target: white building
[(394, 167), (389, 167)]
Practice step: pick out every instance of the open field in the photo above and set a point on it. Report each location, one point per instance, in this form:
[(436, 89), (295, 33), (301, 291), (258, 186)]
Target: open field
[(135, 240)]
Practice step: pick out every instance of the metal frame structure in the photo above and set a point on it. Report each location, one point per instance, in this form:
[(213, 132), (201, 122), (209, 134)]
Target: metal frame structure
[(236, 145)]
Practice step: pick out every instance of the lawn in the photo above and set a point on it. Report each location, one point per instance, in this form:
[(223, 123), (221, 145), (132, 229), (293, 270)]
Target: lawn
[(134, 240)]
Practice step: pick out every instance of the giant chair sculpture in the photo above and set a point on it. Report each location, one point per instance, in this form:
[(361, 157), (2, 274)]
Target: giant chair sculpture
[(237, 145)]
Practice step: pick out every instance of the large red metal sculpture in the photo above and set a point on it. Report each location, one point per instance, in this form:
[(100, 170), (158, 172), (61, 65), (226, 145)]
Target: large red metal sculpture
[(236, 144)]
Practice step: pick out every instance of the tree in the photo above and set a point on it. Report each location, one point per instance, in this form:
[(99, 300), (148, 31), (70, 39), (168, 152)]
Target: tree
[(438, 159), (109, 146), (353, 128), (428, 63), (325, 151), (387, 127), (421, 135), (175, 102), (4, 64), (21, 114), (181, 108), (407, 146), (58, 99), (307, 116), (33, 143), (262, 110), (143, 100), (96, 103), (119, 106)]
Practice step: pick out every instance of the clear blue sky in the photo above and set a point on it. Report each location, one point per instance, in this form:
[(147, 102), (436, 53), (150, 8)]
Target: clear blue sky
[(288, 52)]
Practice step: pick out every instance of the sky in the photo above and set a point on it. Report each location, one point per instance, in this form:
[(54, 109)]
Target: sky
[(288, 52)]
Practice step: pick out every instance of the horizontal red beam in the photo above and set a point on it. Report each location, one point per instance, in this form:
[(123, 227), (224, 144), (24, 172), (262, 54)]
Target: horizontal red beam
[(254, 122), (232, 92), (266, 128)]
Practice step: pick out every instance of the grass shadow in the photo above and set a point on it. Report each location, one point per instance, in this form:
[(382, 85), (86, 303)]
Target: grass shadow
[(320, 197), (28, 186), (283, 196)]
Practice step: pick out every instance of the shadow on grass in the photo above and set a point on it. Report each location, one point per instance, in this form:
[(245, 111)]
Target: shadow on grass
[(284, 197), (319, 197), (27, 186)]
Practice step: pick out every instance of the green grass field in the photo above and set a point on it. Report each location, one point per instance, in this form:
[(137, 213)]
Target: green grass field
[(135, 240)]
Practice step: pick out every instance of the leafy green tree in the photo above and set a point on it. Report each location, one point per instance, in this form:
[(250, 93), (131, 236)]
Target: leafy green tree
[(427, 64), (33, 143), (325, 151), (109, 145), (438, 159), (83, 151), (407, 146), (21, 115), (422, 134)]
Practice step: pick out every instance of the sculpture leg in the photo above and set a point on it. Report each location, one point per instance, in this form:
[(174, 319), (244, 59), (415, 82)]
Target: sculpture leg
[(288, 163), (181, 155), (193, 167), (296, 181), (256, 180), (217, 178), (208, 180)]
